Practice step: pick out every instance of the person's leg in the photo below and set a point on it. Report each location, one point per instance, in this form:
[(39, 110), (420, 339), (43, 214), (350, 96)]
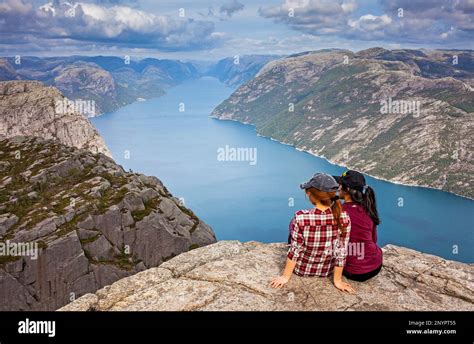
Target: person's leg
[(362, 277)]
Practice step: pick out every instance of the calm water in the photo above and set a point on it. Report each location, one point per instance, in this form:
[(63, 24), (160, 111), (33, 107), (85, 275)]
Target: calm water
[(251, 202)]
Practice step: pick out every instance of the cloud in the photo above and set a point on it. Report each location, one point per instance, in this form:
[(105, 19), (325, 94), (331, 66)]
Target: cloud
[(102, 24), (401, 21), (231, 7), (317, 17)]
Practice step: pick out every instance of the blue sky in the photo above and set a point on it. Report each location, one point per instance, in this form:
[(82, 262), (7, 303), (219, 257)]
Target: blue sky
[(212, 29)]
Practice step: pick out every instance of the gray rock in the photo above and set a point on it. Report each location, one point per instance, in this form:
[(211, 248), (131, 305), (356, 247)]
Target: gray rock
[(127, 219), (232, 276), (149, 194), (110, 224), (85, 234), (133, 202), (6, 222), (28, 108), (101, 249), (88, 223), (82, 238)]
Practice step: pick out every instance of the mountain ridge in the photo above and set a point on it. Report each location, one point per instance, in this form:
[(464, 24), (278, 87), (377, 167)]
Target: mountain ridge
[(112, 82), (330, 104)]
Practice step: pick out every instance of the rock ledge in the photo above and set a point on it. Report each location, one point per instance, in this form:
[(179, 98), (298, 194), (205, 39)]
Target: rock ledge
[(234, 276)]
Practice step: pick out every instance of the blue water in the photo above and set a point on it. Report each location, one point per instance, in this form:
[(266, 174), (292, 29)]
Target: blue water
[(252, 202)]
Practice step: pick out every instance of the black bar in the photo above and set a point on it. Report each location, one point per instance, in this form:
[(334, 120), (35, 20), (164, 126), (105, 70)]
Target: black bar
[(380, 326)]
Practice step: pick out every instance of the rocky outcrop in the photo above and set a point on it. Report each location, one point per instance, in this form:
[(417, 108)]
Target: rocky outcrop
[(236, 70), (27, 108), (234, 276), (90, 223), (87, 81), (404, 115), (110, 81)]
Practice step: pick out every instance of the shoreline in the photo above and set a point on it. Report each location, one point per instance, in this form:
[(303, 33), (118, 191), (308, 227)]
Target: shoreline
[(338, 165)]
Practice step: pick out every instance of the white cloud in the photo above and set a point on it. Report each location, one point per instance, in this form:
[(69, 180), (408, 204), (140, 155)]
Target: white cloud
[(369, 22), (116, 24), (422, 21)]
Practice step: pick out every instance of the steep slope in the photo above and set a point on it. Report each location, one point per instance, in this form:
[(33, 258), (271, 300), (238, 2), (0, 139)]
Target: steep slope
[(234, 72), (7, 72), (28, 108), (87, 81), (111, 82), (92, 222), (234, 276), (330, 103)]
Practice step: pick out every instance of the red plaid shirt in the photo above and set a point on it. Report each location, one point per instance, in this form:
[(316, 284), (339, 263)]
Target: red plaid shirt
[(317, 245)]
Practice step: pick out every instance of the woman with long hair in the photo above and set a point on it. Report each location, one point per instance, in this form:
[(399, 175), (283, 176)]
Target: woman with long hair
[(365, 257), (318, 236)]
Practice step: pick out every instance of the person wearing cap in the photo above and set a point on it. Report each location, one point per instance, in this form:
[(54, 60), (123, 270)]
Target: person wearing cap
[(360, 204), (318, 236)]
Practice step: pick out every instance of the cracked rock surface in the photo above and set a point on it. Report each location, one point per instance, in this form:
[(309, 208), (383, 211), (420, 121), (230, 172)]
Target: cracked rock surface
[(234, 276), (28, 108), (92, 222)]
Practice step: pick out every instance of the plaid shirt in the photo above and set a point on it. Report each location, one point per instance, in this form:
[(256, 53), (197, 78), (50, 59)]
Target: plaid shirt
[(316, 242)]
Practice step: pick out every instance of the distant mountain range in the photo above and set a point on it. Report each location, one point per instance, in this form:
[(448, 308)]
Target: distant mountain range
[(87, 221), (402, 115), (234, 71), (113, 82)]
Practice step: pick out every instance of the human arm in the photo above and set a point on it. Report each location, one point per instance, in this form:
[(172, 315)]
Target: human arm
[(295, 250), (341, 255), (338, 283), (280, 281)]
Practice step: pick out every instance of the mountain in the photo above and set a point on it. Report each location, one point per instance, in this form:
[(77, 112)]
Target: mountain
[(28, 108), (233, 71), (93, 223), (234, 276), (402, 115), (111, 82), (7, 72)]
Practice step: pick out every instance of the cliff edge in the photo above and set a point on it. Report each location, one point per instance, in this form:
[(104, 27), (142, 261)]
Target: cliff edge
[(234, 276), (88, 223), (28, 108)]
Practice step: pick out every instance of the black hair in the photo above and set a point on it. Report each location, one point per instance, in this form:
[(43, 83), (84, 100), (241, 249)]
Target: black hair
[(366, 199)]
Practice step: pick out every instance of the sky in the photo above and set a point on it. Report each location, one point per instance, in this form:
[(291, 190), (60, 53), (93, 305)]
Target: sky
[(214, 29)]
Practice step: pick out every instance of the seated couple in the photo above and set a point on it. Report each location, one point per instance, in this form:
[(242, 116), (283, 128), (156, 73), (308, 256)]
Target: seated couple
[(335, 238)]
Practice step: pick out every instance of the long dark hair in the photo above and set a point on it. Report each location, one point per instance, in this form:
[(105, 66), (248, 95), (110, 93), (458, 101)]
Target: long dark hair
[(366, 200), (328, 199)]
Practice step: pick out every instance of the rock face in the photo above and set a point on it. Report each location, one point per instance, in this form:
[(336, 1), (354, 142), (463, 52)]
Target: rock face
[(111, 82), (27, 108), (402, 115), (234, 71), (93, 223), (234, 276)]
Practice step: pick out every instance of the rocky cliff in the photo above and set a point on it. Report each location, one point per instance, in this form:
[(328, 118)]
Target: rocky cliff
[(91, 222), (402, 115), (110, 81), (28, 108), (234, 276), (234, 71)]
